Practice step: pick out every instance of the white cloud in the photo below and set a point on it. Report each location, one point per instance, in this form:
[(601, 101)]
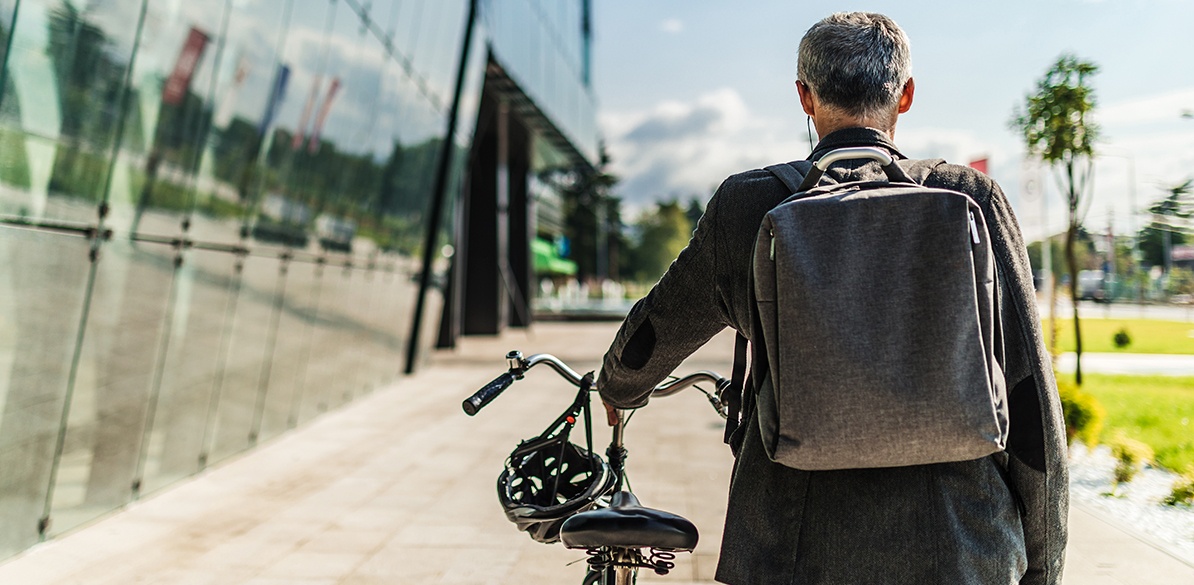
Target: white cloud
[(672, 26), (1165, 108), (685, 149), (682, 149)]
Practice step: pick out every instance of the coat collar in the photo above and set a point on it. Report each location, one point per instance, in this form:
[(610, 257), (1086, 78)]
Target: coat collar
[(852, 137)]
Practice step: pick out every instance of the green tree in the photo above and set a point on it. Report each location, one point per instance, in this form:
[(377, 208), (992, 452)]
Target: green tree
[(592, 218), (1056, 126), (663, 233), (1084, 253), (694, 211), (1162, 233)]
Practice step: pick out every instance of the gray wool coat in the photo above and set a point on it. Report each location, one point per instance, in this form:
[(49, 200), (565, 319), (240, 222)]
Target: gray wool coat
[(999, 519)]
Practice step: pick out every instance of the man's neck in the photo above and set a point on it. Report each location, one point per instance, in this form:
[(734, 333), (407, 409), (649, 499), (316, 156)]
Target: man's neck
[(829, 121)]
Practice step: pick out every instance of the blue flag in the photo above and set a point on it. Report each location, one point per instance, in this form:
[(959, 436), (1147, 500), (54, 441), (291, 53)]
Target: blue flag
[(277, 94)]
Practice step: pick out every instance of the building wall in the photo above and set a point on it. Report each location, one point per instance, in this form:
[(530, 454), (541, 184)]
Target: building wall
[(212, 218)]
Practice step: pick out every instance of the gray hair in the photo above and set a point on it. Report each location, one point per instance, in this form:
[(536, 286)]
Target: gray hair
[(856, 61)]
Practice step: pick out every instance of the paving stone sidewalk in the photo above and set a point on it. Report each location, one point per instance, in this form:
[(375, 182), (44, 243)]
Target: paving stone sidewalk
[(398, 487)]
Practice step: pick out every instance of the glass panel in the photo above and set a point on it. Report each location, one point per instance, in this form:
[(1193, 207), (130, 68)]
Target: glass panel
[(236, 395), (203, 303), (369, 330), (540, 50), (395, 301), (113, 381), (43, 283), (7, 9), (436, 55), (291, 349), (60, 110), (168, 116), (329, 367), (249, 85)]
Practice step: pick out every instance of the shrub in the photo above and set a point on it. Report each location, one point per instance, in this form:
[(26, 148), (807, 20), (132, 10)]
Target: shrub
[(1183, 490), (1083, 413), (1130, 456), (1122, 339)]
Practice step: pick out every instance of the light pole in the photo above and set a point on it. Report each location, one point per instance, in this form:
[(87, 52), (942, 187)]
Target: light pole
[(1128, 156)]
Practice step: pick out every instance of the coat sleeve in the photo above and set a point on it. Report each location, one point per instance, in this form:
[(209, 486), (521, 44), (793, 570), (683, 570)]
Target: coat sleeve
[(1036, 442), (681, 313)]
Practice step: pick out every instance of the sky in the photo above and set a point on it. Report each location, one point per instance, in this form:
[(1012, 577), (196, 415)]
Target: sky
[(692, 91)]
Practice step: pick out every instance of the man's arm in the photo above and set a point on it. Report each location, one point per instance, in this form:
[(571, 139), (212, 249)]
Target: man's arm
[(682, 312), (1036, 441)]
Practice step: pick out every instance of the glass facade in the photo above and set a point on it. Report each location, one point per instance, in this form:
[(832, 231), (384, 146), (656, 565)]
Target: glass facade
[(213, 215)]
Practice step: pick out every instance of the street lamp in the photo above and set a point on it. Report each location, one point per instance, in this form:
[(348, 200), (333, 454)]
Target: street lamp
[(1128, 156)]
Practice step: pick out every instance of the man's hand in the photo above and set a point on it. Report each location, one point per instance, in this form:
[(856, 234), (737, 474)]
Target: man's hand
[(611, 413)]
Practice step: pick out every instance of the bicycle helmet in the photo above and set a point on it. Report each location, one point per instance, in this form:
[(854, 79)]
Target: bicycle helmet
[(548, 478)]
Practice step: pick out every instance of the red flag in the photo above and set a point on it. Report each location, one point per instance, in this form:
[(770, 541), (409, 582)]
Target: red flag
[(313, 145), (980, 165), (297, 141), (184, 68)]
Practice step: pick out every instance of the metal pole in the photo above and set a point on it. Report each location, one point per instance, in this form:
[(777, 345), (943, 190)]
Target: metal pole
[(12, 33), (439, 191), (1132, 227)]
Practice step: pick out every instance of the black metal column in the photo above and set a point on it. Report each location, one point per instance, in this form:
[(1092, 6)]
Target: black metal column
[(439, 191)]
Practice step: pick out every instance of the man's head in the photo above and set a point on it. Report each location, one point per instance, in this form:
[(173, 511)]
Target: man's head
[(856, 65)]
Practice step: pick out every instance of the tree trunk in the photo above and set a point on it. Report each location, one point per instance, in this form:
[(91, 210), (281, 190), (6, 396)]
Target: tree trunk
[(1070, 240), (1070, 237)]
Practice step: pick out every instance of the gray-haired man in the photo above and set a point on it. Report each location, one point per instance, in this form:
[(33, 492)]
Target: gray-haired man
[(999, 519)]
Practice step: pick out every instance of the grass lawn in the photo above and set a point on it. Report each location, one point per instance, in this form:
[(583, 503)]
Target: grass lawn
[(1148, 336), (1158, 410)]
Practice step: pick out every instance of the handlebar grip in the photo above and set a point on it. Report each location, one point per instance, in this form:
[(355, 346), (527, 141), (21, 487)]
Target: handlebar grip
[(473, 404)]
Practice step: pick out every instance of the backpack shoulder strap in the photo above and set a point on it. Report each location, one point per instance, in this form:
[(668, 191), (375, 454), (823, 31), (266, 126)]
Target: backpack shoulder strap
[(732, 395), (792, 174), (919, 170)]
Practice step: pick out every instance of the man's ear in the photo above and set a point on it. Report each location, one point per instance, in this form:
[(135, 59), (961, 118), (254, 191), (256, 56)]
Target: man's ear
[(807, 100), (906, 96)]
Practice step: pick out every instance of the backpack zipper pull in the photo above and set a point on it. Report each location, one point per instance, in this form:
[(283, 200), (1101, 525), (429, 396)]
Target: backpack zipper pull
[(772, 233), (973, 232)]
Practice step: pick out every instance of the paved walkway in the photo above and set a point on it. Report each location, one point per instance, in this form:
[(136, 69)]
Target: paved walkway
[(1129, 363), (397, 487)]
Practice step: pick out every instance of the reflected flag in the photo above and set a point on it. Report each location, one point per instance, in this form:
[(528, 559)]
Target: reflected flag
[(179, 81), (313, 145), (276, 95), (980, 165), (299, 132)]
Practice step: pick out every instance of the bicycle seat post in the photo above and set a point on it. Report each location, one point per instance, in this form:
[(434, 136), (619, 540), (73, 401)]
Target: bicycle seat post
[(616, 453), (618, 429)]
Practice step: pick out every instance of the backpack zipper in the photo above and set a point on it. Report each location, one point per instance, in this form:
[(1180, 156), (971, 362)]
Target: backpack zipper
[(973, 233)]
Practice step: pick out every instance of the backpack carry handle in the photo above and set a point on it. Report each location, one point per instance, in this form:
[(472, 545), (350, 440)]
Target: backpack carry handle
[(888, 163)]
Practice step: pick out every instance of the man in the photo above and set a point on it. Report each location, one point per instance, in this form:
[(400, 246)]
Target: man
[(998, 519)]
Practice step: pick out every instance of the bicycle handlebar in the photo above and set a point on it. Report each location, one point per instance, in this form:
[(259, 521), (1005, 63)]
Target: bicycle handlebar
[(519, 366), (486, 394)]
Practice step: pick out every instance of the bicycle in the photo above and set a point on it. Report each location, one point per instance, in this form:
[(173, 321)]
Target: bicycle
[(556, 490)]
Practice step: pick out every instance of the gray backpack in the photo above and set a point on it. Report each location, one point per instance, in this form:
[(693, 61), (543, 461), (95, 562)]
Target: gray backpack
[(877, 305)]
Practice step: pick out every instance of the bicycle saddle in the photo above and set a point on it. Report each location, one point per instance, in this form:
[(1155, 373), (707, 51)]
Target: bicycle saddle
[(626, 524)]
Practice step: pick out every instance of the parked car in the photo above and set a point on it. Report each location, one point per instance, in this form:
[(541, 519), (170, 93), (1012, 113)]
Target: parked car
[(1091, 286)]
